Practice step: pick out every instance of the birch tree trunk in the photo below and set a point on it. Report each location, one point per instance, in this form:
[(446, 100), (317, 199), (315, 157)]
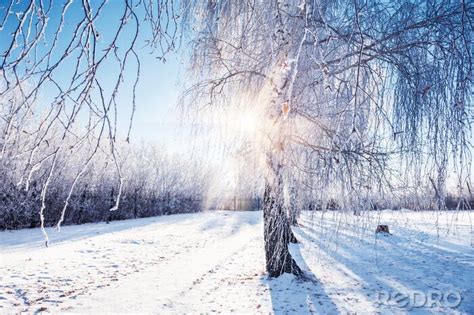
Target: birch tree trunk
[(277, 231)]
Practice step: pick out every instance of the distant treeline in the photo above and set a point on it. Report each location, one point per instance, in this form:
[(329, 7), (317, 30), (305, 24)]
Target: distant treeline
[(20, 209), (451, 203), (153, 184)]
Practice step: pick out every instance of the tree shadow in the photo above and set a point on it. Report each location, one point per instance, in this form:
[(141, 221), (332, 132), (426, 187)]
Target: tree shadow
[(235, 221), (33, 238), (396, 263), (292, 295)]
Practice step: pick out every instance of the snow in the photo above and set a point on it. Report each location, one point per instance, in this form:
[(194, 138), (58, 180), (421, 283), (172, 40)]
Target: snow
[(214, 262)]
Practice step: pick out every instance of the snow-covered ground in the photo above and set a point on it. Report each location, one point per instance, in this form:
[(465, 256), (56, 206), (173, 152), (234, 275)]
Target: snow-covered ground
[(214, 262)]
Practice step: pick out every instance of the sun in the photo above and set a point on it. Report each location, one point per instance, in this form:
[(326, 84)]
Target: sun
[(247, 122)]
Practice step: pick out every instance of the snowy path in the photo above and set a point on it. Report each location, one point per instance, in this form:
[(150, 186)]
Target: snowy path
[(213, 262), (141, 266)]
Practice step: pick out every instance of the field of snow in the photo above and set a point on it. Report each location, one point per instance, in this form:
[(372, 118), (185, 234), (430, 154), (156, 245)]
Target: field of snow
[(214, 262)]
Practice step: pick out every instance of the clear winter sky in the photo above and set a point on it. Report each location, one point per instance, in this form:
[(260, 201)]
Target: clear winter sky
[(156, 119)]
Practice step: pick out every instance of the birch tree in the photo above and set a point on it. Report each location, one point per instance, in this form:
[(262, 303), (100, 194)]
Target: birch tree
[(353, 82)]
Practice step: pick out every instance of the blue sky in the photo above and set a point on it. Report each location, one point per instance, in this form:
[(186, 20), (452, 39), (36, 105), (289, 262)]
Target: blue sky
[(156, 118)]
